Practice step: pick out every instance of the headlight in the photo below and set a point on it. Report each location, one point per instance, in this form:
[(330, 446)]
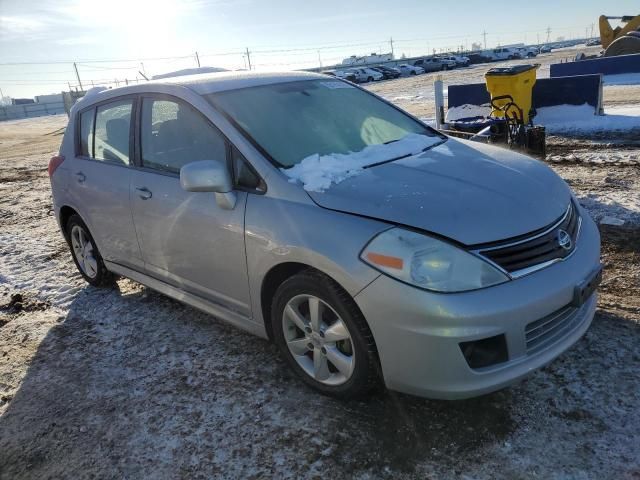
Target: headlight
[(429, 263)]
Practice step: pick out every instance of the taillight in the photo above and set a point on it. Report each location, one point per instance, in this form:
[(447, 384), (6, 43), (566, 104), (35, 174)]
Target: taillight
[(54, 163)]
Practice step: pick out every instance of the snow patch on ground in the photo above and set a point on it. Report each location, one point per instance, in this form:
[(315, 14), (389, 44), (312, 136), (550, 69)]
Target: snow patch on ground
[(318, 172), (581, 118), (617, 157), (624, 207)]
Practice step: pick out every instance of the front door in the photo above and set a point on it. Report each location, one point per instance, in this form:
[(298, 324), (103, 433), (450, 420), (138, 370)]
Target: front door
[(187, 240)]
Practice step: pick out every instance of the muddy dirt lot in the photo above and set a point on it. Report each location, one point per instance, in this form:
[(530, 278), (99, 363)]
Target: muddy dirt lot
[(126, 383)]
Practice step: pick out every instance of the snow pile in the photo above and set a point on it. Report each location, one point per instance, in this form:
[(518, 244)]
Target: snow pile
[(467, 111), (582, 118), (319, 172)]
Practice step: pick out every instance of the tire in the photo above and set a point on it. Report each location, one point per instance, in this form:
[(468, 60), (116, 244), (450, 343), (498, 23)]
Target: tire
[(369, 79), (445, 67), (358, 356), (412, 72), (91, 267)]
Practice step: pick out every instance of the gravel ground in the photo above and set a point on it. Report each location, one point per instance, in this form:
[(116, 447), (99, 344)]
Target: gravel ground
[(126, 383)]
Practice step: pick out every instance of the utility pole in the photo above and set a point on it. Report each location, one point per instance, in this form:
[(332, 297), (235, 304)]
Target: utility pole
[(548, 33), (78, 76), (319, 59), (391, 43), (592, 30), (484, 34), (249, 58), (197, 59), (143, 71), (538, 37)]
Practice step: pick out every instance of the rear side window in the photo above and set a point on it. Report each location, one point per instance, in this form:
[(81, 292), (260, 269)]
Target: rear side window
[(86, 133), (113, 123), (174, 134)]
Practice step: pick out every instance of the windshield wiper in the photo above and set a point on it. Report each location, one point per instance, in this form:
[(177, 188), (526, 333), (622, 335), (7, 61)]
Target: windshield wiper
[(404, 156)]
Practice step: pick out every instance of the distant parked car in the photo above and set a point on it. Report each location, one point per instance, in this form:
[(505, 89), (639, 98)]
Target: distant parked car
[(346, 75), (388, 72), (593, 42), (503, 53), (435, 64), (528, 52), (407, 69), (458, 60), (364, 75), (545, 49)]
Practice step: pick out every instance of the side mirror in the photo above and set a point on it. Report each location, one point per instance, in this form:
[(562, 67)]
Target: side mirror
[(209, 176)]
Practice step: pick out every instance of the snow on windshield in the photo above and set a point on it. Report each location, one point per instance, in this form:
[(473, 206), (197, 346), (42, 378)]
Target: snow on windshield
[(318, 172)]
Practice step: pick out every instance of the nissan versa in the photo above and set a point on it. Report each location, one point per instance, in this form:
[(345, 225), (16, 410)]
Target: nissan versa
[(369, 247)]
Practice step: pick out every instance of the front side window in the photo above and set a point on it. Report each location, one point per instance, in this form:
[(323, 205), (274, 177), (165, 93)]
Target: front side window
[(113, 122), (174, 134), (294, 120)]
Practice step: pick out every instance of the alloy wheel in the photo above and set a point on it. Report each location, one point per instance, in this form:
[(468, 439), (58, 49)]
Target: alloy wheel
[(83, 250), (318, 339)]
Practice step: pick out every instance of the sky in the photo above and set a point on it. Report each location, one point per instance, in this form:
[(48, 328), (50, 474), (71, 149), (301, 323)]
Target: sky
[(122, 39)]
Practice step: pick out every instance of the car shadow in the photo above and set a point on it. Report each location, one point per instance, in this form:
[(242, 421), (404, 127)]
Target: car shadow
[(130, 383)]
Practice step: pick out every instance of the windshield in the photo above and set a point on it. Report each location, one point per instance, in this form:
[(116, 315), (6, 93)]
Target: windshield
[(294, 120)]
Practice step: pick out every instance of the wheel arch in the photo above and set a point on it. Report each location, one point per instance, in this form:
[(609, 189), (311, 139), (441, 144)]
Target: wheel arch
[(65, 213), (277, 275)]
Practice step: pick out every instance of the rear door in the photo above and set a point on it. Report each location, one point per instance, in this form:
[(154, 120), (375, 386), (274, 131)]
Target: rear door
[(187, 240), (100, 178)]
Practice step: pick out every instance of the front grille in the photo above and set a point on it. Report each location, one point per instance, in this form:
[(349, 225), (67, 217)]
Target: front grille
[(537, 248), (551, 328)]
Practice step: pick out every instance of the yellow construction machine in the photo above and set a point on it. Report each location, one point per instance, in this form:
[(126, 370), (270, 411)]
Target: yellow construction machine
[(621, 40)]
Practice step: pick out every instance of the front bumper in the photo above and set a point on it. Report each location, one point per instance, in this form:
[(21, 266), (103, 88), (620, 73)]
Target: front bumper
[(418, 332)]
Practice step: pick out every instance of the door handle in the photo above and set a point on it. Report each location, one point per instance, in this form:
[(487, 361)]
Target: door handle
[(81, 177), (144, 193)]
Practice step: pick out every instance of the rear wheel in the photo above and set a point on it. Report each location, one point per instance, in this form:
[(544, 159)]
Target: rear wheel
[(412, 72), (323, 336), (369, 79), (85, 253), (445, 67)]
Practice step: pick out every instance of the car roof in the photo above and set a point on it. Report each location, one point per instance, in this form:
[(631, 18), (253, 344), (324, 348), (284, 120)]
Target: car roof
[(206, 83), (221, 81)]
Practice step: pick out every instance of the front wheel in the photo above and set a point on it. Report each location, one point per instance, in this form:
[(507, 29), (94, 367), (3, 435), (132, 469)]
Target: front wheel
[(324, 337), (85, 253), (369, 79), (412, 72), (445, 67)]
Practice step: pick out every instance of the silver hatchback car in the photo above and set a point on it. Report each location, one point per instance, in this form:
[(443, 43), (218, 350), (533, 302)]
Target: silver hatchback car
[(370, 248)]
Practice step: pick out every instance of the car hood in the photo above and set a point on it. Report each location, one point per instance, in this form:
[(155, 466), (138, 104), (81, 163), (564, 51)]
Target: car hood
[(466, 191)]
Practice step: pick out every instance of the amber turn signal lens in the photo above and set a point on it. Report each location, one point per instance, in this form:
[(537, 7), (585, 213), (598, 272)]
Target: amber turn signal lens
[(385, 260)]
